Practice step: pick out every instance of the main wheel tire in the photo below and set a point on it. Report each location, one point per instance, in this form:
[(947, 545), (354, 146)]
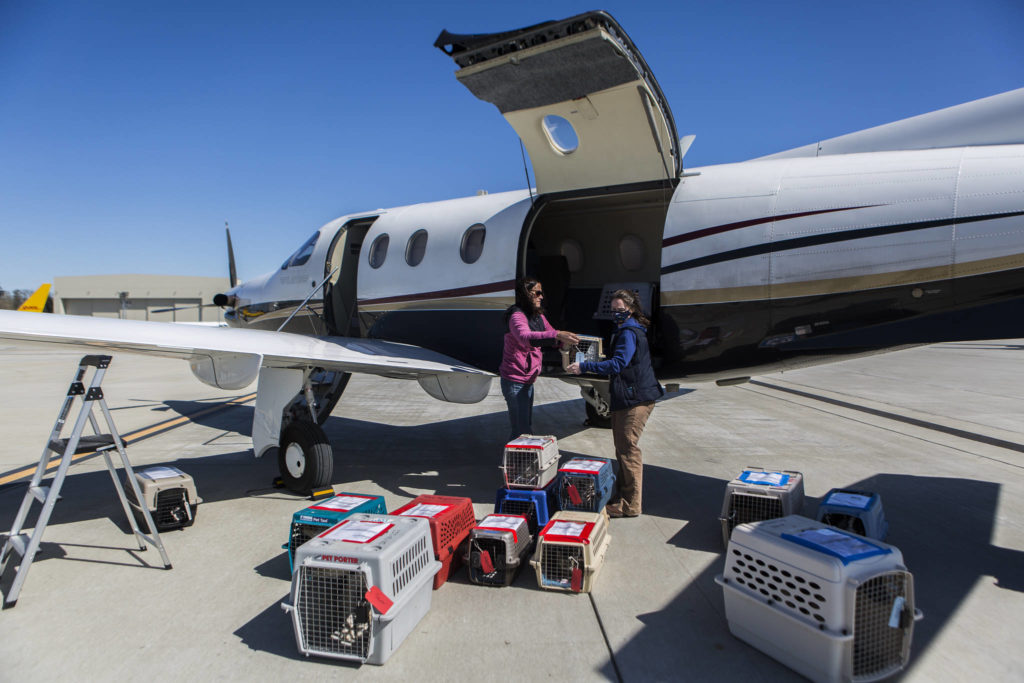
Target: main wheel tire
[(596, 419), (305, 457)]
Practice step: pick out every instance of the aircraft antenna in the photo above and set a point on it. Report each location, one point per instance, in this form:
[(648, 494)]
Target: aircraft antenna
[(526, 169)]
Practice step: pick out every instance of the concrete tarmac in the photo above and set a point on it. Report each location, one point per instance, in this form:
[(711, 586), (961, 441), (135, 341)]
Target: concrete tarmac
[(935, 430)]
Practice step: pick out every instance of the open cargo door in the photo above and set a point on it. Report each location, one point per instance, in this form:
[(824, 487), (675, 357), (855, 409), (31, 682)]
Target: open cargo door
[(579, 95)]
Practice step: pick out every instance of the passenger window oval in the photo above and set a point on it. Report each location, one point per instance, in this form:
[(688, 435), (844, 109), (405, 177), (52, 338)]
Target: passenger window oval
[(416, 248), (473, 243), (572, 250), (631, 252), (561, 134), (379, 250)]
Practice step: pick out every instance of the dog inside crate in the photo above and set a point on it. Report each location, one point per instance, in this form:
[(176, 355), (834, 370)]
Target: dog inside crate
[(336, 616), (845, 522)]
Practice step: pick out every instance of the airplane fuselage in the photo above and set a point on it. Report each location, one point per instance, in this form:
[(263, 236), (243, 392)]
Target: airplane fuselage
[(746, 267)]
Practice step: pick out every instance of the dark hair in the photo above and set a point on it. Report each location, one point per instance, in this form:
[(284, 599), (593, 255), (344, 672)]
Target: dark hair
[(632, 300), (523, 299)]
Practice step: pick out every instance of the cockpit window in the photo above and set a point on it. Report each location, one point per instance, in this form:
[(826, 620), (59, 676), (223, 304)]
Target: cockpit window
[(303, 253)]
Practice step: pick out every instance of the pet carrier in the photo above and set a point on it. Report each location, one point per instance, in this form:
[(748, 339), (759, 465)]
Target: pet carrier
[(361, 587), (530, 462), (571, 550), (585, 484), (588, 348), (451, 519), (536, 505), (170, 495), (831, 605), (856, 511), (309, 522), (497, 548), (758, 494)]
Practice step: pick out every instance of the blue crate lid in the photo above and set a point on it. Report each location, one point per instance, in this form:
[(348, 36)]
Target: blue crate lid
[(847, 547), (764, 478)]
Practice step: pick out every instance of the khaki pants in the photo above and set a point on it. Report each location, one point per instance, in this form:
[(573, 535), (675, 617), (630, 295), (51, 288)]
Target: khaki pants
[(627, 426)]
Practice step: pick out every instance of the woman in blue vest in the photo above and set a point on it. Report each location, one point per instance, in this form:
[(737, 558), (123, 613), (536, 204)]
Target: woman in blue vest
[(634, 389)]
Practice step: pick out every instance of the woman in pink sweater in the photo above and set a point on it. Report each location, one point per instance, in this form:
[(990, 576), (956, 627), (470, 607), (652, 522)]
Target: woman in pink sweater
[(528, 330)]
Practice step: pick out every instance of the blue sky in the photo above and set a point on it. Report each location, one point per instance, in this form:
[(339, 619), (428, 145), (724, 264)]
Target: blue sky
[(130, 131)]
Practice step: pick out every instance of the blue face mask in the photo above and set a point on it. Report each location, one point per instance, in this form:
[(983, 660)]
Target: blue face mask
[(620, 317)]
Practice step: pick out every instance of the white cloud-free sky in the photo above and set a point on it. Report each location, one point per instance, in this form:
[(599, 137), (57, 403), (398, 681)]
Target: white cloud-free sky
[(131, 131)]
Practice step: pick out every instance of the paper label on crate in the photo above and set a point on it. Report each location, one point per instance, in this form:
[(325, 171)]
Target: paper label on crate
[(849, 500), (764, 478), (501, 523), (362, 531), (376, 597), (530, 442), (342, 503), (154, 473), (424, 510), (586, 466), (846, 547), (574, 529)]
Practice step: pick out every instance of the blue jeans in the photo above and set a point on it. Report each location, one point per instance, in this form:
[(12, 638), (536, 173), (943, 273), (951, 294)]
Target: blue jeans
[(519, 399)]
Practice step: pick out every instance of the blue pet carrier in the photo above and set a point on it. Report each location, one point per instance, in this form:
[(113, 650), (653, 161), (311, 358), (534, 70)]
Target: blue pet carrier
[(537, 505), (585, 484), (856, 511), (319, 516)]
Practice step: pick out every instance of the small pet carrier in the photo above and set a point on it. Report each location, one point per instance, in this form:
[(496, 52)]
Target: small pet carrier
[(829, 604), (571, 550), (758, 494), (530, 462), (536, 505), (309, 522), (451, 519), (856, 511), (170, 495), (588, 348), (585, 484), (497, 548), (361, 587)]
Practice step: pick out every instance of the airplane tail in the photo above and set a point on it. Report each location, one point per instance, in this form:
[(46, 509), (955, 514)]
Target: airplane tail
[(37, 302)]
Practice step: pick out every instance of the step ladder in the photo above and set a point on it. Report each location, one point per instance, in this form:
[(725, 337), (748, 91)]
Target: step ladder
[(26, 546)]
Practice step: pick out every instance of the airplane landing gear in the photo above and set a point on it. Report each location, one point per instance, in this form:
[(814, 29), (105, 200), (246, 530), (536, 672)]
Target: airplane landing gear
[(596, 402), (305, 457)]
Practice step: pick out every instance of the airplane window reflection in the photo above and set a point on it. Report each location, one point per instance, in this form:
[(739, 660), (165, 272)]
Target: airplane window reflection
[(379, 250), (416, 248), (473, 242), (303, 253), (561, 134)]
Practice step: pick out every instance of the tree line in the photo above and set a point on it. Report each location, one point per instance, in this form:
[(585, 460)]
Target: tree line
[(10, 300)]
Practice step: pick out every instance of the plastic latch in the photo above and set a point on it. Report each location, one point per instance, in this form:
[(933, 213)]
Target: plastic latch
[(574, 495), (382, 603), (486, 564)]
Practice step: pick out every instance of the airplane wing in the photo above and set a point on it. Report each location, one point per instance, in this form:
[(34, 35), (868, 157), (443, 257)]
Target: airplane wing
[(230, 358)]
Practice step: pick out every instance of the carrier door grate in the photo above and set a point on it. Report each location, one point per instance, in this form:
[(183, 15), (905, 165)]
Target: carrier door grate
[(522, 467), (302, 533), (170, 508), (744, 508), (585, 485), (878, 646), (558, 561), (334, 615), (845, 522)]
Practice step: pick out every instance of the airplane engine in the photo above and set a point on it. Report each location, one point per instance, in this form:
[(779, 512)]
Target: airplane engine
[(226, 370)]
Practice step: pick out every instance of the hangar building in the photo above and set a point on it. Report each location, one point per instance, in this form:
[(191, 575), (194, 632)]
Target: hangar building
[(140, 297)]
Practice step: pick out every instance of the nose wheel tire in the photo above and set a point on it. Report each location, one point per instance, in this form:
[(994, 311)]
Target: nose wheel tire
[(305, 457), (596, 419)]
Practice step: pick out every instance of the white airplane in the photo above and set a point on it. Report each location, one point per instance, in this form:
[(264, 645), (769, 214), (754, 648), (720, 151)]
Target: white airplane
[(908, 233)]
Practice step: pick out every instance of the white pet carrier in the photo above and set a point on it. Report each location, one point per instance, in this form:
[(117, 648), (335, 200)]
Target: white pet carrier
[(827, 603), (588, 348), (758, 494), (530, 462), (497, 548), (361, 587), (570, 551), (170, 495)]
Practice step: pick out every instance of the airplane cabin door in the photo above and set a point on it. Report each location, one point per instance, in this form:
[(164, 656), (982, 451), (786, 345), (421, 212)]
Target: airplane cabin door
[(340, 289)]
